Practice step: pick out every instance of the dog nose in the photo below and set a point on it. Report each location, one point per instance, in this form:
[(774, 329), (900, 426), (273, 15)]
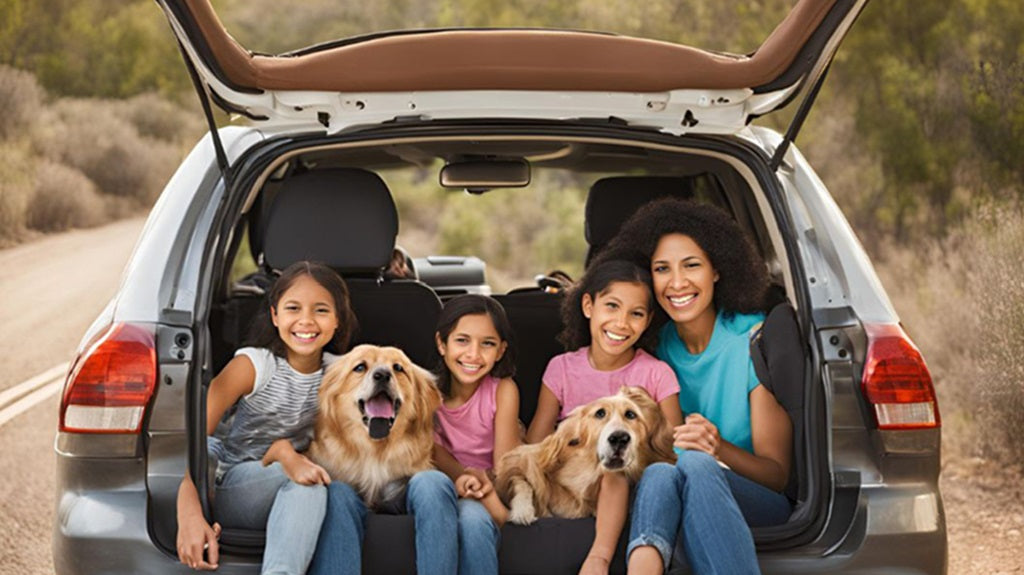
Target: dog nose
[(381, 375), (619, 439)]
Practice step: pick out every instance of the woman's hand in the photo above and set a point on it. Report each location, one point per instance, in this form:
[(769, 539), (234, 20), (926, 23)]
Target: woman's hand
[(473, 483), (195, 535), (697, 433)]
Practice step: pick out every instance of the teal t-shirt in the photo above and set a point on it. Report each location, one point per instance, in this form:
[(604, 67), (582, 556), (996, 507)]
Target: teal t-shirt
[(717, 382)]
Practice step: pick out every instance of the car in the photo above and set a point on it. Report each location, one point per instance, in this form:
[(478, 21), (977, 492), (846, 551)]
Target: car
[(490, 146)]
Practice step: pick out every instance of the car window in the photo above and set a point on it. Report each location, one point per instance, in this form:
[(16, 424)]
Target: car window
[(518, 232)]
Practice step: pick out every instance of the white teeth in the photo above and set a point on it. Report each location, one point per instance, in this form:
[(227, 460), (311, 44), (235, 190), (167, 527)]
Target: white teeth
[(470, 367), (305, 335), (615, 336), (682, 300)]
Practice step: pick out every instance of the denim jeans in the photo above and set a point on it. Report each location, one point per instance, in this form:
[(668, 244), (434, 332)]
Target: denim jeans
[(709, 508), (251, 496), (430, 499), (478, 539)]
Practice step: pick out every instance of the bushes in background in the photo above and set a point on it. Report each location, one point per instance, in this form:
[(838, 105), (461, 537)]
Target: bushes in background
[(962, 300), (74, 163)]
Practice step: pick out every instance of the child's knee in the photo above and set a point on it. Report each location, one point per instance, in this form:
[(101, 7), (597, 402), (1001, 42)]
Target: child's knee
[(431, 483)]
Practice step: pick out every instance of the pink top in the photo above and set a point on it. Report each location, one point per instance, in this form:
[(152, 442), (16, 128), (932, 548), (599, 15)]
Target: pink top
[(575, 382), (467, 431)]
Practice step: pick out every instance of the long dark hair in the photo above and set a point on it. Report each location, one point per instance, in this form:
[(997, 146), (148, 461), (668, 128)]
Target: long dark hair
[(595, 281), (473, 304), (742, 275), (263, 332)]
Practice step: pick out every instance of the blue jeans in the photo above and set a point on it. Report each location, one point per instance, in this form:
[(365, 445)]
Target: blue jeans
[(430, 499), (709, 508), (478, 539), (251, 496)]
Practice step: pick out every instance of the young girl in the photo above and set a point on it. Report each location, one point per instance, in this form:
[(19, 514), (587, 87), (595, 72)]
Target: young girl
[(263, 479), (606, 319), (478, 421)]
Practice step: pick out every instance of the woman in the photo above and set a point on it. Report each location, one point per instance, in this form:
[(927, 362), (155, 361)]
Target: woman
[(734, 447)]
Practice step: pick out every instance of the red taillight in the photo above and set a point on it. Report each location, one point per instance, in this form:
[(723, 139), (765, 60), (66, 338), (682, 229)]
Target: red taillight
[(896, 380), (111, 382)]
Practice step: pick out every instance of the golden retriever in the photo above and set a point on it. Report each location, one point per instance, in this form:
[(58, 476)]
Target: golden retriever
[(560, 476), (376, 421)]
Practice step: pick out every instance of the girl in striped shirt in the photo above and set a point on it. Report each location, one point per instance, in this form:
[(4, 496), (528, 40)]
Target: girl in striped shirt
[(263, 479)]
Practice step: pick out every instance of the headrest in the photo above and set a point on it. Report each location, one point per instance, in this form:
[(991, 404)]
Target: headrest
[(343, 217), (612, 201)]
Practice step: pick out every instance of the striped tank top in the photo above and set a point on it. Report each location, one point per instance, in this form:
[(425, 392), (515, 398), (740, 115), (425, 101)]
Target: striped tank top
[(281, 405)]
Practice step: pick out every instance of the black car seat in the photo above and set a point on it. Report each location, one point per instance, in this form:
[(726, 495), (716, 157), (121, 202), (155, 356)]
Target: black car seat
[(611, 201), (346, 218)]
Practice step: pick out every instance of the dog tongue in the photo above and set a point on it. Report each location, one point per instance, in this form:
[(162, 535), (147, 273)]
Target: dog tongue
[(379, 427), (380, 406)]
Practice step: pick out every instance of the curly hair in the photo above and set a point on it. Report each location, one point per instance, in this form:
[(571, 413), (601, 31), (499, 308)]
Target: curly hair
[(474, 304), (595, 281), (263, 333), (743, 277)]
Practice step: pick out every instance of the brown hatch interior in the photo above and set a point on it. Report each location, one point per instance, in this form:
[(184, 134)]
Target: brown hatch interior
[(509, 60)]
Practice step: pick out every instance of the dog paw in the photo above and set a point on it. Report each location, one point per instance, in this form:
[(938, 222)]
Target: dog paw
[(522, 514)]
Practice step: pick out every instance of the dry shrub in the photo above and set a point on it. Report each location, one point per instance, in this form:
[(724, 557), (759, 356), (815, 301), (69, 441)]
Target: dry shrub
[(15, 191), (20, 101), (962, 301), (160, 119), (64, 198), (93, 137)]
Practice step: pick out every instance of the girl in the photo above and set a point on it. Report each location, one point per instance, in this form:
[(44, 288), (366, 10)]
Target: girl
[(478, 421), (263, 479), (606, 319), (712, 287)]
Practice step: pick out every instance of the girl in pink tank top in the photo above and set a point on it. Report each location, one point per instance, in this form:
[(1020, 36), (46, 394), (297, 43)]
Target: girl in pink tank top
[(478, 421), (606, 317)]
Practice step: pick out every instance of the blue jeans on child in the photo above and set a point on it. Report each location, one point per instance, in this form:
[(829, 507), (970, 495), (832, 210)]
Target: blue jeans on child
[(430, 499), (251, 496), (478, 539), (710, 508)]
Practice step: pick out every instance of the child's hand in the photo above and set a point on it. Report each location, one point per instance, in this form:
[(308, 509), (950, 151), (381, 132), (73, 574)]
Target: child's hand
[(594, 565), (473, 483), (301, 470), (194, 536), (697, 433)]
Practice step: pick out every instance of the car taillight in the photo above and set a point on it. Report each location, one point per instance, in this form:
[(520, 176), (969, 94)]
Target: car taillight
[(896, 380), (111, 382)]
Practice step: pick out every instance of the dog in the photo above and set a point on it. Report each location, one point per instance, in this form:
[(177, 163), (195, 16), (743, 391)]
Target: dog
[(560, 476), (375, 426)]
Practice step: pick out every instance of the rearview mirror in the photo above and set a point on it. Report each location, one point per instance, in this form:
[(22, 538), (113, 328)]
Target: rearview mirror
[(478, 176)]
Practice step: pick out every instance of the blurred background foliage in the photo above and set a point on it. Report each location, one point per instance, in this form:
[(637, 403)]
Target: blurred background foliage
[(918, 133)]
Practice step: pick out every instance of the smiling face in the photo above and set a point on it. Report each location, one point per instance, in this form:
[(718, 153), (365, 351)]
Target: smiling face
[(472, 348), (684, 280), (618, 317), (306, 321)]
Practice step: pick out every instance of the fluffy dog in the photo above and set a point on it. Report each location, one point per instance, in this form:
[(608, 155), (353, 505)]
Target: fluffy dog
[(560, 476), (375, 426)]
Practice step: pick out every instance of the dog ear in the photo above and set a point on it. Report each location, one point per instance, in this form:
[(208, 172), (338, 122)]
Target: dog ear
[(426, 386)]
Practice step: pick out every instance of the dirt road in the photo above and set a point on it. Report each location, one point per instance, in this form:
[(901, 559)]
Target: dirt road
[(52, 289)]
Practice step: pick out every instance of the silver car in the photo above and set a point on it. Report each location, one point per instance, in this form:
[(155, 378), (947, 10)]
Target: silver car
[(339, 143)]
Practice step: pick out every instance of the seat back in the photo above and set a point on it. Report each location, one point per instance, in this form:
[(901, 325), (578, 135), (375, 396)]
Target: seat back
[(536, 322), (346, 218), (611, 201)]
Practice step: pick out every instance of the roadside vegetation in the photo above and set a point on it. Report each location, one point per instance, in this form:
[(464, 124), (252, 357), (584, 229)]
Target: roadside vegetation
[(918, 133)]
